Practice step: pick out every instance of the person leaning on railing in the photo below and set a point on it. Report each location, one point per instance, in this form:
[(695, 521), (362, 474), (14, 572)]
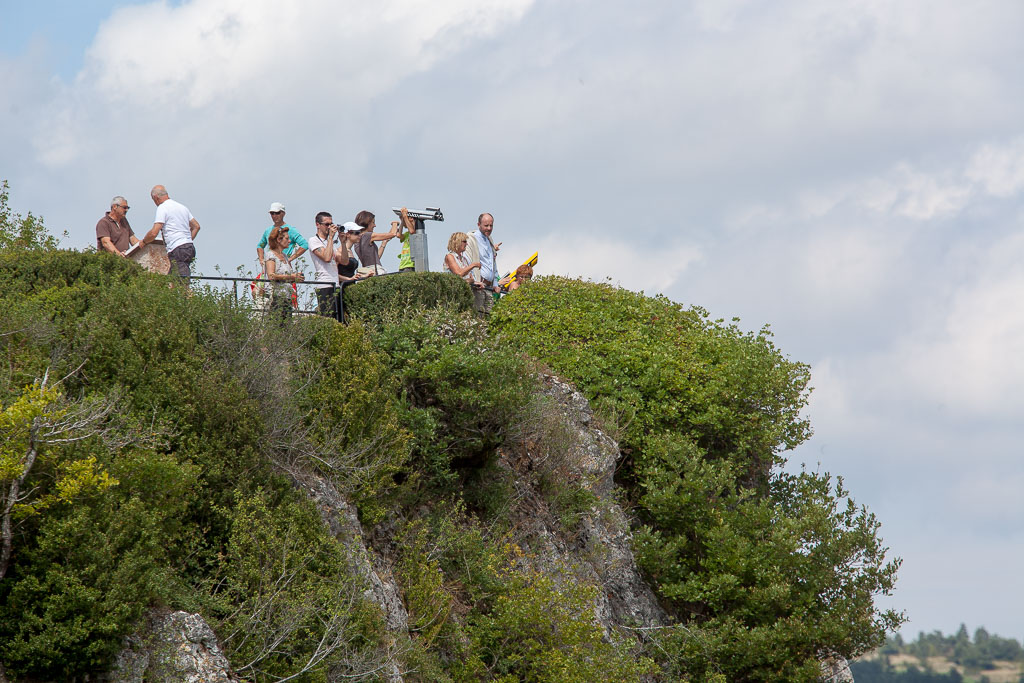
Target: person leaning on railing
[(280, 273)]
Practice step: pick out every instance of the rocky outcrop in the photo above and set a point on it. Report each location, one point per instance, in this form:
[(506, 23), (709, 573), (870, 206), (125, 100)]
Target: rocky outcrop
[(836, 670), (594, 547), (340, 517), (175, 647), (598, 550)]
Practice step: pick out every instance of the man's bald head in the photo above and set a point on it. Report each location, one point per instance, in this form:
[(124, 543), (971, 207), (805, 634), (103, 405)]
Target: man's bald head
[(159, 194)]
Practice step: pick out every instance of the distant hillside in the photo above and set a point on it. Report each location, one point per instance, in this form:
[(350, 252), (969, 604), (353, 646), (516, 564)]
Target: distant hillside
[(933, 657)]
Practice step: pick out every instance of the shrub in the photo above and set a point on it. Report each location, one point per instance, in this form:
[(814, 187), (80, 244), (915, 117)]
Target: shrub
[(94, 563), (464, 390), (372, 298), (225, 405), (741, 552), (284, 600), (475, 601)]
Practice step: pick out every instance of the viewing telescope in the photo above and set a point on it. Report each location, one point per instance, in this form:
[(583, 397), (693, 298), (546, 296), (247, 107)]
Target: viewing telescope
[(418, 239), (428, 214)]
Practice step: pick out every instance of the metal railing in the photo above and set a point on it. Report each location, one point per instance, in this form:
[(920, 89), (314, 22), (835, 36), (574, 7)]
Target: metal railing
[(252, 282)]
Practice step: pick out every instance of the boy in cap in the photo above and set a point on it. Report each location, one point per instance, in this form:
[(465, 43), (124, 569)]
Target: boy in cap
[(298, 245)]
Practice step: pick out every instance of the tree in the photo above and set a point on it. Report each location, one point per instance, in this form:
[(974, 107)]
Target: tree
[(39, 419), (22, 231)]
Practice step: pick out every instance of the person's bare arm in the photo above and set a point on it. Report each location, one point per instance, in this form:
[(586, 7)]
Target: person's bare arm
[(407, 222), (341, 254), (385, 236), (454, 266), (133, 240), (109, 246), (326, 253), (153, 232), (193, 225)]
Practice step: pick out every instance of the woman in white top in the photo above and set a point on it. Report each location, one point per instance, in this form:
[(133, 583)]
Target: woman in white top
[(280, 273), (456, 261)]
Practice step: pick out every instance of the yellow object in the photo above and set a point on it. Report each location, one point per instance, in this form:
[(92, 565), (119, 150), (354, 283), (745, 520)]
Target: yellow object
[(532, 261)]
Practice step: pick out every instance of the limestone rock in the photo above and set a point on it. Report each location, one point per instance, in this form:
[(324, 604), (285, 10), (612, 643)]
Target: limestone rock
[(175, 648), (836, 670), (600, 550)]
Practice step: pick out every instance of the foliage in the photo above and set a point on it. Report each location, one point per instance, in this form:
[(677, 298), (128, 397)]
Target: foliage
[(93, 565), (878, 672), (144, 510), (464, 390), (285, 600), (23, 232), (766, 571), (477, 602), (974, 655), (374, 297), (539, 630)]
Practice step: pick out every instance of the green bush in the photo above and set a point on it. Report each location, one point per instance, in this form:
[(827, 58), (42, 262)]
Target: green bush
[(355, 415), (464, 391), (475, 603), (372, 298), (94, 563), (765, 570), (541, 630), (284, 599), (225, 407)]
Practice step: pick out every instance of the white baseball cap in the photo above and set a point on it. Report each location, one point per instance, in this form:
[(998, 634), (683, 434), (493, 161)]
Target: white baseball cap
[(277, 206), (351, 227)]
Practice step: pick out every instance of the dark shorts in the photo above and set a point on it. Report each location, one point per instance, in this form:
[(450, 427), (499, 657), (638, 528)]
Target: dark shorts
[(406, 270), (181, 260)]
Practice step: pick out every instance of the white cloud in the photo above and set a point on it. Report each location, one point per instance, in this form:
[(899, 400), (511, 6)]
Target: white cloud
[(639, 266), (973, 362), (999, 169), (210, 68)]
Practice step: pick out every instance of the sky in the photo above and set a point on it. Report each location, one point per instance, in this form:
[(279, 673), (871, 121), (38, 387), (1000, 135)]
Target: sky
[(849, 173)]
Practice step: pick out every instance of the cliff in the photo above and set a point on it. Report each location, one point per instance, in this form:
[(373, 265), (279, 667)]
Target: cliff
[(587, 487)]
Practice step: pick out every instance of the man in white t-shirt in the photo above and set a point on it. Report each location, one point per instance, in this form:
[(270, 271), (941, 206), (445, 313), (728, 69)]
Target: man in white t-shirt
[(175, 223), (326, 257)]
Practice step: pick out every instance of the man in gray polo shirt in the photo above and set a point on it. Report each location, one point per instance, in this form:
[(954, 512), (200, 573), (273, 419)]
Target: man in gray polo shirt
[(178, 227), (113, 233)]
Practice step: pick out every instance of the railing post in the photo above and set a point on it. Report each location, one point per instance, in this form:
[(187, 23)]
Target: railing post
[(339, 303)]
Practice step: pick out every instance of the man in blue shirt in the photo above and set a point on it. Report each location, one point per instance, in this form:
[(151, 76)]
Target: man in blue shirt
[(481, 248), (298, 245)]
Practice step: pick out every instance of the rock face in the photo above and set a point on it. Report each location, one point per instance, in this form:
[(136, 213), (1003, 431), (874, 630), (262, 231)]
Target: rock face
[(341, 519), (600, 549), (174, 648), (836, 670), (595, 548)]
